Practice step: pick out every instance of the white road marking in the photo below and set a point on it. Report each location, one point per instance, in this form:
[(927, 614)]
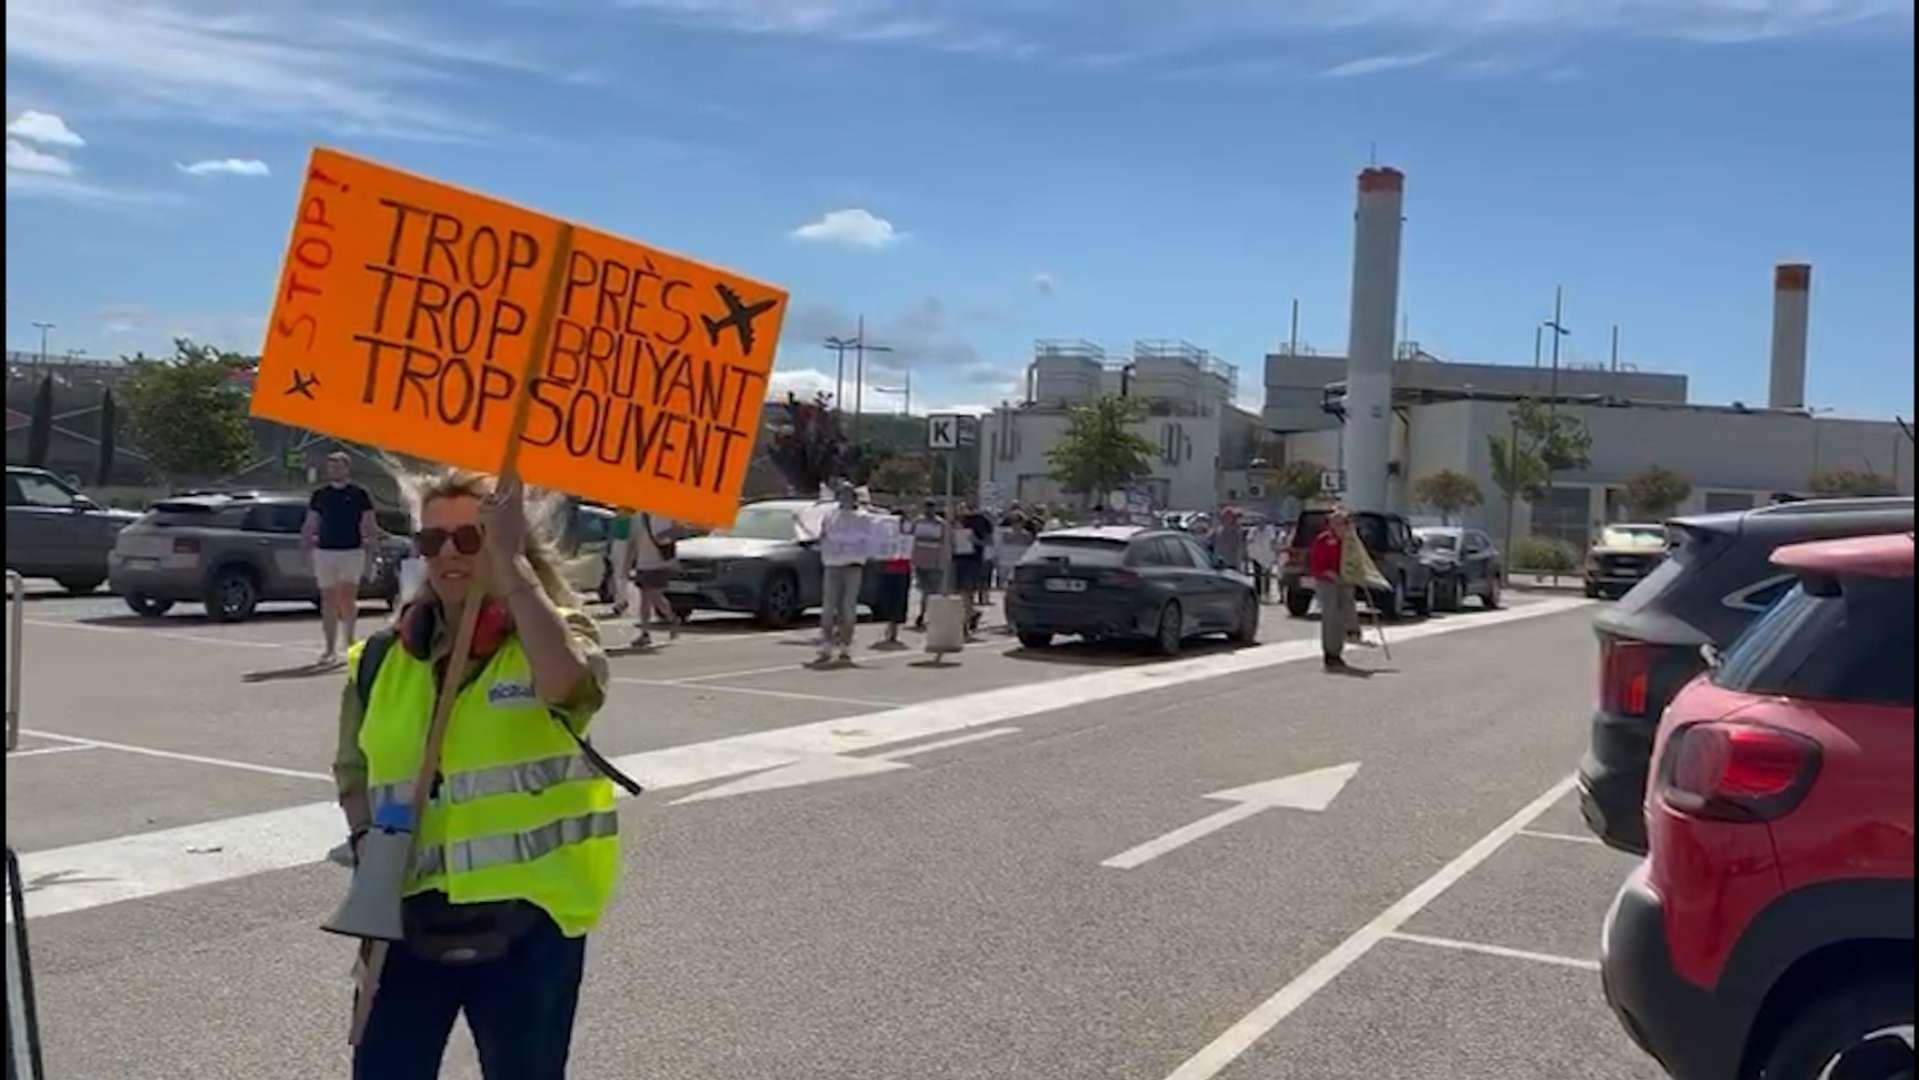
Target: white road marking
[(1496, 950), (1235, 1040), (11, 754), (91, 743), (822, 768), (680, 684), (865, 660), (148, 864), (1313, 791), (1568, 838), (167, 634)]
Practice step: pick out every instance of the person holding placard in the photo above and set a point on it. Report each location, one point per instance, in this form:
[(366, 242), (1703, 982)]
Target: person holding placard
[(848, 538), (516, 852)]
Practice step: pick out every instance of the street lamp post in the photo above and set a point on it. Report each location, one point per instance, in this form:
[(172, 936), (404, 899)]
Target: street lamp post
[(860, 349), (839, 345), (1559, 330), (44, 327)]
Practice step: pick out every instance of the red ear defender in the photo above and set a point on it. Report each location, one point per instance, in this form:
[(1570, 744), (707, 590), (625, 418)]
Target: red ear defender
[(420, 620)]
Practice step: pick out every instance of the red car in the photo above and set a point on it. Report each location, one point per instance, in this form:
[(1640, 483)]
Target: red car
[(1769, 931)]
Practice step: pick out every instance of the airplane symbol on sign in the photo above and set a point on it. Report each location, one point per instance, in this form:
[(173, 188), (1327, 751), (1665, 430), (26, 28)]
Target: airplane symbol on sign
[(303, 385), (739, 316)]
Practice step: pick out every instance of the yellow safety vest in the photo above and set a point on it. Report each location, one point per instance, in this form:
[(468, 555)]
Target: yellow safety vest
[(520, 813)]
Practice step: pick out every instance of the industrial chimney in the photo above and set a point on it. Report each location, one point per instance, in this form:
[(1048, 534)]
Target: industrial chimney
[(1369, 339), (1791, 302)]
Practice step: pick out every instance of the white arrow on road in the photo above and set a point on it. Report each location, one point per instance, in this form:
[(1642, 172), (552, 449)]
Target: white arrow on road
[(818, 768), (1304, 791)]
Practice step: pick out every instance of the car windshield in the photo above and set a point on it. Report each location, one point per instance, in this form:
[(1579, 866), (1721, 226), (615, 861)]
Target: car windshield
[(1633, 536), (761, 523), (1439, 541)]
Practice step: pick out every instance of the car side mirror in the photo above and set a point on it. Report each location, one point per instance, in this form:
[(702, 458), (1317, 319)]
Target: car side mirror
[(82, 504), (1710, 655)]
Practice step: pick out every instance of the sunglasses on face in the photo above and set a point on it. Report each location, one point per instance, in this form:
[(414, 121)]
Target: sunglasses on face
[(466, 540)]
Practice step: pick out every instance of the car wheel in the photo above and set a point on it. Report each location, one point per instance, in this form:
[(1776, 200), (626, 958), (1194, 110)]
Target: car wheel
[(1035, 639), (1396, 600), (1449, 598), (1171, 633), (148, 606), (79, 586), (1864, 1030), (232, 596), (1298, 602), (780, 606), (1246, 630), (606, 584), (1428, 601), (1491, 597)]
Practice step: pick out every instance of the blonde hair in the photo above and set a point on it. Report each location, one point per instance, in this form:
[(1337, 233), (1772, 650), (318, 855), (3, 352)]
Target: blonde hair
[(544, 511)]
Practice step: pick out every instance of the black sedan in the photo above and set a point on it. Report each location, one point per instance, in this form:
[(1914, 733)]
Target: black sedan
[(1127, 582), (1464, 562)]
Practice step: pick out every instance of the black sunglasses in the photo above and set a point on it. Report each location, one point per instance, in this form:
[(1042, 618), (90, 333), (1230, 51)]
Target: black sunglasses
[(466, 539)]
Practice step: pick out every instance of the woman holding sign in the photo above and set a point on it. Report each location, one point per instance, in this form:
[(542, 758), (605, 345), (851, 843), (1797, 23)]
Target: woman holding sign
[(517, 850)]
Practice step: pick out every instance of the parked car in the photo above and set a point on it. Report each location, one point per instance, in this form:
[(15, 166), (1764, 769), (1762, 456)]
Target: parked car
[(1390, 541), (755, 565), (55, 532), (1714, 582), (1127, 582), (1462, 562), (1621, 556), (1769, 931), (231, 552)]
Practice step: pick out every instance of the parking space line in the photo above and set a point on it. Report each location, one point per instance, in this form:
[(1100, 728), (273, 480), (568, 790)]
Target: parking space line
[(866, 660), (1235, 1040), (1496, 950), (1569, 838), (51, 750), (192, 638), (272, 770), (682, 684)]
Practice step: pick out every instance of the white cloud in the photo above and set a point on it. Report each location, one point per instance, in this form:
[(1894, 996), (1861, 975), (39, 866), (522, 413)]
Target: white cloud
[(849, 228), (1373, 65), (44, 128), (236, 166), (1046, 284), (24, 158), (294, 65)]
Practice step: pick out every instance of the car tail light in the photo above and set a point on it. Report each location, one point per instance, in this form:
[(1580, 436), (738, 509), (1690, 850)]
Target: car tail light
[(1625, 676), (1122, 578), (1736, 772), (186, 545)]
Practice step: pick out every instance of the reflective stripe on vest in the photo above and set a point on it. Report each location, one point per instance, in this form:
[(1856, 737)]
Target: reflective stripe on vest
[(527, 776), (484, 851)]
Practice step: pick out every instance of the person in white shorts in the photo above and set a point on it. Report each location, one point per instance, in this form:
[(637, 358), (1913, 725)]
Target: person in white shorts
[(339, 528), (650, 550)]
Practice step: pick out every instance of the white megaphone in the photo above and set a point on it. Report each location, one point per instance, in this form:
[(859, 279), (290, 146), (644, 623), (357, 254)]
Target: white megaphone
[(372, 905)]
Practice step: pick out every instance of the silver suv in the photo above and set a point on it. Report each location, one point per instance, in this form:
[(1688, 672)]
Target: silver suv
[(230, 551), (758, 564), (54, 531)]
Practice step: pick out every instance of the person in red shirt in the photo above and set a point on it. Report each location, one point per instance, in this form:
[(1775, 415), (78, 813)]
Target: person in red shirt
[(1337, 613)]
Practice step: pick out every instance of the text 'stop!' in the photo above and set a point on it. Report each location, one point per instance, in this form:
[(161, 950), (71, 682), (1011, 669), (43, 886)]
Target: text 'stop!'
[(408, 310)]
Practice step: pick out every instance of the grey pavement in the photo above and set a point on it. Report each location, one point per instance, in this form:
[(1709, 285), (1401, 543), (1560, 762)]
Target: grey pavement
[(949, 918)]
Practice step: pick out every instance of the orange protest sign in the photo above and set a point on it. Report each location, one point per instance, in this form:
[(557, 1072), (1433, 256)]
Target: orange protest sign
[(408, 309)]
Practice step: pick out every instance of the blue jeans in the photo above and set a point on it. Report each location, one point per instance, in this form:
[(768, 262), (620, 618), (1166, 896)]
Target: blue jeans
[(519, 1008)]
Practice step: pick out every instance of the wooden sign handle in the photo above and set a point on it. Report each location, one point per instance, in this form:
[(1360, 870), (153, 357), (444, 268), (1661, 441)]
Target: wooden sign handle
[(374, 959)]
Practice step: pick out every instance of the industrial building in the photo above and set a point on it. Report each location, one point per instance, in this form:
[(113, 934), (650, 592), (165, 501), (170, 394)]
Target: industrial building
[(1442, 415), (1204, 441)]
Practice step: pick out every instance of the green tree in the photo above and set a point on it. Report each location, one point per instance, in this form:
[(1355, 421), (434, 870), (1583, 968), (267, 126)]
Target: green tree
[(1517, 471), (903, 473), (1447, 491), (1098, 452), (1655, 491), (1560, 440), (1834, 482), (1298, 480), (188, 412)]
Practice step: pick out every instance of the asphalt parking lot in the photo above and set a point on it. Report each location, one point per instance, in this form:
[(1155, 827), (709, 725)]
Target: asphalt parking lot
[(897, 869)]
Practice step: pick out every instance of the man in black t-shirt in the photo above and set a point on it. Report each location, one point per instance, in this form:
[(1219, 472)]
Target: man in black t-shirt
[(339, 528)]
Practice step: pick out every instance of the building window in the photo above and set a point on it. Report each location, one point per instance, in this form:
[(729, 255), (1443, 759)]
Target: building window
[(1719, 502), (1561, 514)]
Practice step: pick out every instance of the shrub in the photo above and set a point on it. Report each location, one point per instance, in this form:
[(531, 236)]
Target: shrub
[(1544, 554)]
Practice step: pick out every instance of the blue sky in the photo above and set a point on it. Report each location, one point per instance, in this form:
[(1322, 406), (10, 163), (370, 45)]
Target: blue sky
[(971, 176)]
